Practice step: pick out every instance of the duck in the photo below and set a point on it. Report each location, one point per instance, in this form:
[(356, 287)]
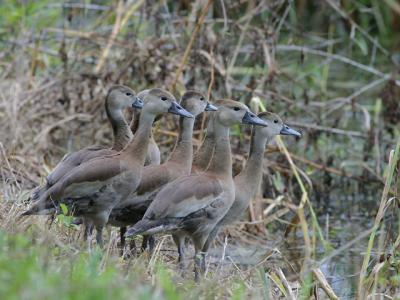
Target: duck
[(94, 188), (119, 97), (153, 153), (249, 179), (204, 153), (155, 177), (192, 205)]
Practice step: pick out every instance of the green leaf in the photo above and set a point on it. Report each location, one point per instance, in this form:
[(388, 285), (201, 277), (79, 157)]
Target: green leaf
[(64, 209)]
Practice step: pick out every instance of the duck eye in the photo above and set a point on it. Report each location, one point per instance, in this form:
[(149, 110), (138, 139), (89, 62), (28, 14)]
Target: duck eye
[(128, 94), (275, 121), (201, 99), (163, 98), (236, 108)]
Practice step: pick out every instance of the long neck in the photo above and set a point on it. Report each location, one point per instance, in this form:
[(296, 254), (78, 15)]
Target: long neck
[(135, 121), (204, 154), (137, 149), (221, 162), (251, 175), (121, 131), (183, 151)]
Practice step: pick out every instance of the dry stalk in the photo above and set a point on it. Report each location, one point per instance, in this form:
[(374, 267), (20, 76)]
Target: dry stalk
[(111, 39), (394, 155), (337, 57), (285, 283), (120, 21), (190, 44), (324, 284)]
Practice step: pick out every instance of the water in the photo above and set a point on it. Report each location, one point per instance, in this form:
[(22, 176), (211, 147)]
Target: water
[(343, 220)]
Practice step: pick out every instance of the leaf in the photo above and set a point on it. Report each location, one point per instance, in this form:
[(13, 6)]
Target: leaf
[(362, 44), (64, 209)]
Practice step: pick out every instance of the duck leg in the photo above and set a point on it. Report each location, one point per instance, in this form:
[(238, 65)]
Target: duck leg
[(199, 256), (148, 240), (87, 229), (152, 244), (144, 243), (132, 247), (211, 238), (87, 233), (99, 235), (122, 231), (180, 244)]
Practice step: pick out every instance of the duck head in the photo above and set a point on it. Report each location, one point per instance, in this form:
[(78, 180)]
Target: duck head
[(232, 112), (158, 101), (275, 126), (196, 103), (120, 97)]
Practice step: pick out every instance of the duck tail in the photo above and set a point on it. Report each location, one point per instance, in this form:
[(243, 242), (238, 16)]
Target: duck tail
[(149, 227), (37, 193), (39, 208)]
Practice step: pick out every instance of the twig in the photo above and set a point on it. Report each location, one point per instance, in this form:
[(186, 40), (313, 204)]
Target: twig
[(190, 44), (393, 5), (351, 97), (329, 129), (288, 288), (130, 12), (394, 155), (332, 170), (324, 284), (120, 22), (79, 5), (361, 30), (336, 57), (225, 16), (339, 250), (114, 33)]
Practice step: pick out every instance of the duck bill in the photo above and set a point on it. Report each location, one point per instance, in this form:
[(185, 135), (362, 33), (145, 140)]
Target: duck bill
[(250, 118), (138, 103), (176, 109), (210, 107), (286, 130)]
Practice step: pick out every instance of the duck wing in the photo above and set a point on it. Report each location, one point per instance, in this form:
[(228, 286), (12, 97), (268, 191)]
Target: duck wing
[(185, 196), (86, 179), (75, 159)]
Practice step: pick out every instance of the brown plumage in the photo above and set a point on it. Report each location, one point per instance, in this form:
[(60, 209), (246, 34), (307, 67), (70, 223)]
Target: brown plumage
[(204, 154), (118, 98), (249, 179), (92, 189), (153, 152), (192, 205), (155, 177)]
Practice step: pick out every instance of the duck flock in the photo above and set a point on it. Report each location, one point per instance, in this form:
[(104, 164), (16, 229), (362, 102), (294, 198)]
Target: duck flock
[(190, 196)]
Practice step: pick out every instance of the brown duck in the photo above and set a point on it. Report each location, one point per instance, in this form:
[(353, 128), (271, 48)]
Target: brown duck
[(118, 98), (155, 177), (249, 179), (192, 205), (204, 154), (94, 188)]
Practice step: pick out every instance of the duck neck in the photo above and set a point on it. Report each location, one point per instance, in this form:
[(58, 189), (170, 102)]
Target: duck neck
[(221, 162), (205, 152), (135, 121), (137, 149), (252, 172), (183, 151), (121, 131)]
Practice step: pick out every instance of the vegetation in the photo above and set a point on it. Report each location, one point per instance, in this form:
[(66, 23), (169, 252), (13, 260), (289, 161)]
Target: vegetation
[(326, 221)]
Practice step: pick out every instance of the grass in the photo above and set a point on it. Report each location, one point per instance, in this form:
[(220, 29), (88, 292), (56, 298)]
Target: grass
[(32, 268)]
